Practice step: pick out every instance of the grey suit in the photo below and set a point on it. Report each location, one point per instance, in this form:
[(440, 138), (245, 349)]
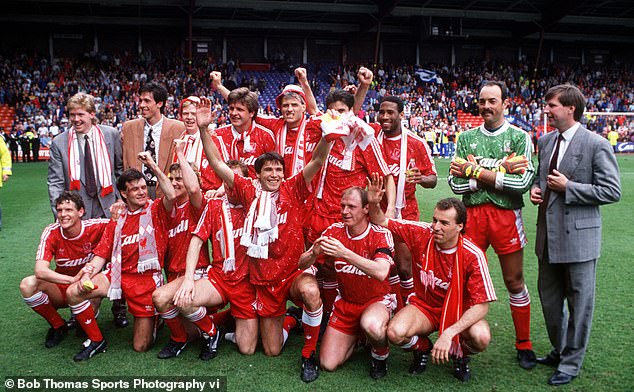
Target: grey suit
[(59, 176), (568, 239)]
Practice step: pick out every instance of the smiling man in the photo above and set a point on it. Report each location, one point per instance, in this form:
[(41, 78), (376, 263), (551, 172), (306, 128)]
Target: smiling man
[(86, 159), (274, 241), (70, 243), (492, 169), (153, 132), (244, 140), (135, 245), (452, 287), (362, 256)]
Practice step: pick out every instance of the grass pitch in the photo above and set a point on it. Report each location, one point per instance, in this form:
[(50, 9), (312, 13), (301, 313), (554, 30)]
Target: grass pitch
[(607, 367)]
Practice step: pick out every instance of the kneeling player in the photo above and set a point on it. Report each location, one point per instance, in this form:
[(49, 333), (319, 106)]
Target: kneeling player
[(227, 280), (362, 256), (274, 241), (185, 213), (136, 245), (70, 242), (452, 287)]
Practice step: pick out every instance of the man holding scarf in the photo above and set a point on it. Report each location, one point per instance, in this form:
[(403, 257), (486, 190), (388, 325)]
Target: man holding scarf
[(452, 287), (135, 244)]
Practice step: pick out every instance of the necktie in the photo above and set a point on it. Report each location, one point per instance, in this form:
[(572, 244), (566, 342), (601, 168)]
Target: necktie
[(91, 184), (551, 167), (149, 147)]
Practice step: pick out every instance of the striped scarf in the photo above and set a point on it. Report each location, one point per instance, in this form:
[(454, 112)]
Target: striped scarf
[(300, 147), (148, 254), (102, 161), (260, 225)]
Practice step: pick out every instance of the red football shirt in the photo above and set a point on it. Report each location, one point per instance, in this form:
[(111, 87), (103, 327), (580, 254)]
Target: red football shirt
[(130, 237), (285, 251), (70, 254), (338, 178), (179, 223), (210, 228), (431, 285), (231, 144), (312, 135), (418, 150), (375, 243)]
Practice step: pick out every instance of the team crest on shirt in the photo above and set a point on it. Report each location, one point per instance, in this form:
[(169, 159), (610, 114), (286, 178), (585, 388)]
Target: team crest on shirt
[(507, 146), (204, 163), (61, 252), (473, 145), (87, 247)]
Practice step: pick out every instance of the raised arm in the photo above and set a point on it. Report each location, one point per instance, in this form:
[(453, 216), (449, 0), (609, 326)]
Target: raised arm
[(216, 83), (365, 77), (390, 194), (311, 103), (317, 161), (185, 294), (203, 117), (164, 182), (190, 179)]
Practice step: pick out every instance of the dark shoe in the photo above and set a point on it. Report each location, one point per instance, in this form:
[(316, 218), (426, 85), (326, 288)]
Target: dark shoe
[(297, 314), (560, 378), (71, 323), (90, 349), (378, 368), (172, 349), (526, 359), (461, 369), (54, 336), (310, 369), (552, 359), (121, 320), (419, 363), (210, 346)]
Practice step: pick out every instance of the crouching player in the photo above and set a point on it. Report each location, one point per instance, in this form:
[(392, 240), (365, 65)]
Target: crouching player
[(70, 242), (185, 213), (227, 281), (452, 287), (362, 256), (135, 243)]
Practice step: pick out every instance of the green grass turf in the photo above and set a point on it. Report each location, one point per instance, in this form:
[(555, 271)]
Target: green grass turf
[(607, 366)]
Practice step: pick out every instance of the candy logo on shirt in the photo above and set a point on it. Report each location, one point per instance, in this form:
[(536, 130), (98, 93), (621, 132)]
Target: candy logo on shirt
[(428, 279), (182, 226), (73, 263), (345, 268), (129, 239)]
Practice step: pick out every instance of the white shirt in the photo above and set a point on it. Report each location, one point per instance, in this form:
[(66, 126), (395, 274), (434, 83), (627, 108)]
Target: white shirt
[(565, 142)]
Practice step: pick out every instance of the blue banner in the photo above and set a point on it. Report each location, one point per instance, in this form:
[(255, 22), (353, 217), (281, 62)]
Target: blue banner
[(625, 147)]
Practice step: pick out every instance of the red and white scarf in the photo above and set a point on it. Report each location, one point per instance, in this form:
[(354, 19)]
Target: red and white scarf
[(148, 253), (402, 168), (299, 154), (227, 247), (452, 308), (354, 133), (101, 157), (260, 225), (244, 136)]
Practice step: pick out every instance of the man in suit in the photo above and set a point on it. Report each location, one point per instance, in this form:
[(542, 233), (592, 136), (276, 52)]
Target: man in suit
[(153, 133), (69, 155), (577, 173), (87, 159)]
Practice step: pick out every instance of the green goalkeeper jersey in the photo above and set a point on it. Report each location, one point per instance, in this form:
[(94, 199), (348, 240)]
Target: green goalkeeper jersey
[(489, 148)]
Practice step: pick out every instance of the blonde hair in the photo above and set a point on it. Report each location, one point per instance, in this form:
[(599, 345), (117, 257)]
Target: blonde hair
[(83, 101)]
